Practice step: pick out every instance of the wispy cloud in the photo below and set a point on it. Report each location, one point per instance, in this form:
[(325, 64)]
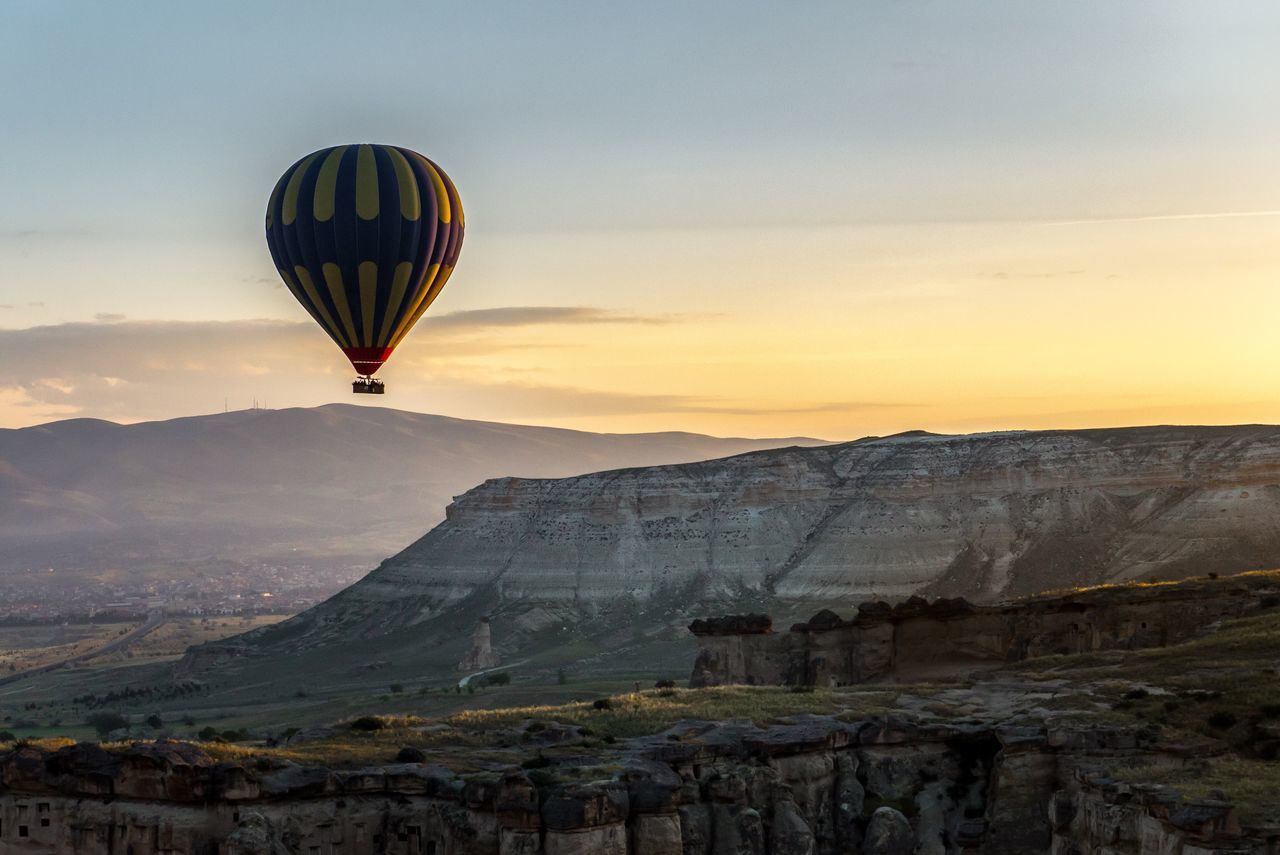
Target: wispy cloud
[(512, 316), (1151, 218), (128, 370)]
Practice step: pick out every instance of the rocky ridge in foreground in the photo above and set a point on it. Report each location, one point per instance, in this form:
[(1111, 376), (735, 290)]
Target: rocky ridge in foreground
[(809, 785)]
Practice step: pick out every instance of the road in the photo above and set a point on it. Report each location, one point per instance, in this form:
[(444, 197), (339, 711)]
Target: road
[(462, 684), (155, 619)]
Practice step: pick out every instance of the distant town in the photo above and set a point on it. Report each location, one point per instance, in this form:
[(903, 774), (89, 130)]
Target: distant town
[(34, 597)]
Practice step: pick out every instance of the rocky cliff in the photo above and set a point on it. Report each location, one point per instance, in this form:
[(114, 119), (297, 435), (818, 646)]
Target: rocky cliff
[(918, 640), (985, 517), (811, 785)]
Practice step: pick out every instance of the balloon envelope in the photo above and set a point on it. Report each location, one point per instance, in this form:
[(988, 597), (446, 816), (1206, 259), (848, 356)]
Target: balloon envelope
[(365, 236)]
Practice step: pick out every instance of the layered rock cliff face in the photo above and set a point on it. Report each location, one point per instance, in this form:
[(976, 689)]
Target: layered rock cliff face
[(811, 785), (918, 640), (984, 517)]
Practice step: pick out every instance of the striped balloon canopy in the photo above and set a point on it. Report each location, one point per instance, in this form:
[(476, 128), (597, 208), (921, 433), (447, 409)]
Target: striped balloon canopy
[(365, 236)]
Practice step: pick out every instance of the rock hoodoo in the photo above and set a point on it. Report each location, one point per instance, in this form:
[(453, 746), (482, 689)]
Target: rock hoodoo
[(481, 654)]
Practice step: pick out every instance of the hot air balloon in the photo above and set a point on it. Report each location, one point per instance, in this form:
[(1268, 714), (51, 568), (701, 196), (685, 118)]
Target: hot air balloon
[(365, 236)]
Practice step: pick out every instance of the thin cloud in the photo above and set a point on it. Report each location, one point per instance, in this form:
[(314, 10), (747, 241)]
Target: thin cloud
[(514, 316), (1151, 218), (108, 317)]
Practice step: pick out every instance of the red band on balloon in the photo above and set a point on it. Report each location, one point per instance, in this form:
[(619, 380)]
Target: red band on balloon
[(367, 360)]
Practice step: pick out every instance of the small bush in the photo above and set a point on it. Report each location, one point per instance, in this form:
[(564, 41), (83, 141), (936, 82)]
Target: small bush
[(1222, 720), (665, 684), (602, 704), (801, 690), (105, 722), (207, 733), (409, 754), (154, 721), (502, 678), (7, 736), (1270, 710), (396, 688), (1270, 602), (1171, 706), (1136, 694), (562, 676), (368, 723)]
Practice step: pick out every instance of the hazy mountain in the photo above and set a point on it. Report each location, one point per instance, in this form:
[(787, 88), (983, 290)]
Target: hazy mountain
[(358, 482)]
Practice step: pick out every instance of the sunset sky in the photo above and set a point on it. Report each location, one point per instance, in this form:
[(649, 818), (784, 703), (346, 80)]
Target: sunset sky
[(833, 219)]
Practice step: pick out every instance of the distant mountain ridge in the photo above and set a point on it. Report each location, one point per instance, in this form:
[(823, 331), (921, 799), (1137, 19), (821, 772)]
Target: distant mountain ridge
[(359, 481)]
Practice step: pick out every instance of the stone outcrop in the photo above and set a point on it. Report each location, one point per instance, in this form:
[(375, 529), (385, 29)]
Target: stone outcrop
[(918, 639), (809, 785), (984, 517), (481, 654)]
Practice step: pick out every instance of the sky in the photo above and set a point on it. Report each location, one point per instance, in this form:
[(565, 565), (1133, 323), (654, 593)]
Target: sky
[(830, 219)]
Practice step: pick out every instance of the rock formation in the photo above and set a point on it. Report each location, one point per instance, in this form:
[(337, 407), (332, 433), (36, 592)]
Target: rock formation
[(481, 654), (810, 785), (984, 517), (919, 640)]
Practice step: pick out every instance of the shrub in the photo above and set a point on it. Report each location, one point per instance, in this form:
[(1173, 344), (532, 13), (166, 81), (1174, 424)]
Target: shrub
[(188, 721), (7, 736), (409, 754), (396, 688), (665, 684), (800, 690), (154, 721), (1270, 710), (562, 676), (368, 723), (502, 678), (1222, 720), (105, 722), (602, 704), (207, 733), (1136, 694)]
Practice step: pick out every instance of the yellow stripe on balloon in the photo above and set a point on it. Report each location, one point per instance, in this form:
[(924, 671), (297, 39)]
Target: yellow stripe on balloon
[(327, 185), (442, 195), (406, 320), (333, 278), (410, 202), (366, 184), (314, 297), (271, 204), (437, 285), (368, 299), (295, 184), (398, 283)]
